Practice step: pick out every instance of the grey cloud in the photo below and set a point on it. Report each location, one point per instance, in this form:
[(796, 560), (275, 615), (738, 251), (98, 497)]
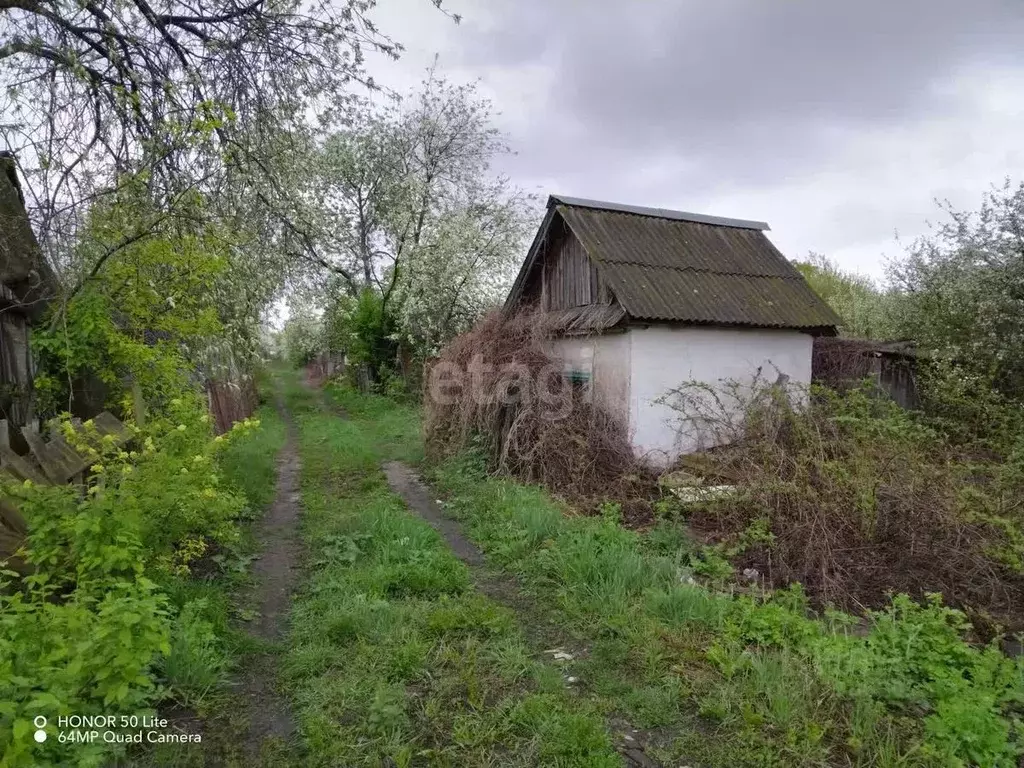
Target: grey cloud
[(836, 121), (749, 89)]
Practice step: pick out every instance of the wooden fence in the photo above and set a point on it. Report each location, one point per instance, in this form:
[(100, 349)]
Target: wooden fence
[(49, 461), (231, 401)]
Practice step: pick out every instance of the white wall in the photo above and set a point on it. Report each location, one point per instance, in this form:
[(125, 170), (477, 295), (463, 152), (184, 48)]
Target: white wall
[(607, 359), (664, 357)]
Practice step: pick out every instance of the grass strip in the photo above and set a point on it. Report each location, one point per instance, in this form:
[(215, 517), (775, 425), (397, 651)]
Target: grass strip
[(392, 652)]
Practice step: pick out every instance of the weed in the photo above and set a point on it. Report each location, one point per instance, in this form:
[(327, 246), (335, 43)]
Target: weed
[(392, 654), (904, 689), (599, 567), (251, 464), (687, 603), (712, 563), (669, 538), (386, 714), (562, 736), (473, 615), (197, 664), (857, 498), (668, 508), (610, 512), (341, 549)]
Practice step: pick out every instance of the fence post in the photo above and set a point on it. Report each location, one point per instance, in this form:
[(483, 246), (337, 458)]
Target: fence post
[(138, 405)]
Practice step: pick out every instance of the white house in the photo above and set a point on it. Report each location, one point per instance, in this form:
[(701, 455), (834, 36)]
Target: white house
[(646, 299)]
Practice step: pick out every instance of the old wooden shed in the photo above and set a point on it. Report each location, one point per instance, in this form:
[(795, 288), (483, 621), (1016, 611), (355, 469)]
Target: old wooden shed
[(842, 363), (646, 299), (27, 283)]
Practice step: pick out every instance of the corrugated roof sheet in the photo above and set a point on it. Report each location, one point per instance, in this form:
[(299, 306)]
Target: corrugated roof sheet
[(663, 293), (679, 269), (591, 317), (872, 347)]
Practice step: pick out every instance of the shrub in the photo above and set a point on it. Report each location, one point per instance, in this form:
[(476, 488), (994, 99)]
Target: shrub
[(89, 630), (912, 658), (499, 390), (854, 498), (90, 654)]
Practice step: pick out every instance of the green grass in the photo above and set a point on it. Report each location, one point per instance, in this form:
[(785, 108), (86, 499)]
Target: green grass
[(397, 431), (250, 463), (392, 652), (733, 681), (208, 644)]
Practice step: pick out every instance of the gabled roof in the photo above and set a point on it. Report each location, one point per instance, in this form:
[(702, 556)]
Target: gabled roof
[(675, 266)]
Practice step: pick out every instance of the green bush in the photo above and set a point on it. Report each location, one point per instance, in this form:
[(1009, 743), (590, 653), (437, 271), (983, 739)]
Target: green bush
[(196, 663), (89, 654), (89, 631), (898, 686), (913, 659)]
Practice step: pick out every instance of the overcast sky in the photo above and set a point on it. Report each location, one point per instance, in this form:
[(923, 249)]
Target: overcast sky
[(839, 123)]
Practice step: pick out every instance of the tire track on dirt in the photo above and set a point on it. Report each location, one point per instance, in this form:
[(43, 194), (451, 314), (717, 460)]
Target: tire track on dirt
[(275, 575), (503, 588)]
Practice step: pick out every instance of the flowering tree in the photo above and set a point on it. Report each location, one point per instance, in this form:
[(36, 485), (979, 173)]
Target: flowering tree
[(183, 88), (961, 290), (149, 129), (865, 308), (410, 208)]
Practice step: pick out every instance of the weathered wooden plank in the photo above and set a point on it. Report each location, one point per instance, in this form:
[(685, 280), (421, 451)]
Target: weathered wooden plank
[(52, 465), (65, 466), (60, 446), (11, 517), (73, 462), (11, 542), (20, 467), (108, 424), (568, 276)]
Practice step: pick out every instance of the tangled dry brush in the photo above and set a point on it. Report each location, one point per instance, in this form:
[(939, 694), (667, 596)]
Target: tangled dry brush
[(858, 497), (862, 498), (498, 388)]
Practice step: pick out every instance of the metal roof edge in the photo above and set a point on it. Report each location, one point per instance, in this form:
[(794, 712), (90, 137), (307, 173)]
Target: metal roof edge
[(821, 329), (660, 213)]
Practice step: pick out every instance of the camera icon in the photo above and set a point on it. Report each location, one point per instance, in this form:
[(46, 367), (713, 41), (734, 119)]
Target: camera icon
[(39, 722)]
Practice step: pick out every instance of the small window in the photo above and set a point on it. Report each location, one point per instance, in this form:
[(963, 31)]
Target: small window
[(579, 384), (578, 378)]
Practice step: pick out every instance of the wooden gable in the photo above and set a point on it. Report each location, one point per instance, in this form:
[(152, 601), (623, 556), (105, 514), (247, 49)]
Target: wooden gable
[(564, 277)]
